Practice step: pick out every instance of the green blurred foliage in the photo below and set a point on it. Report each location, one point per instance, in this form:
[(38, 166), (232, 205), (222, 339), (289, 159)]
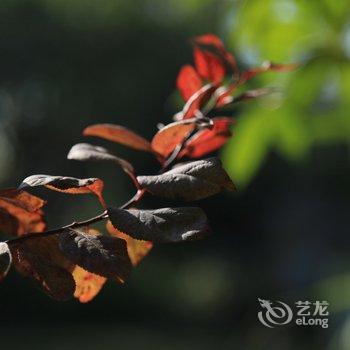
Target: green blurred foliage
[(314, 104)]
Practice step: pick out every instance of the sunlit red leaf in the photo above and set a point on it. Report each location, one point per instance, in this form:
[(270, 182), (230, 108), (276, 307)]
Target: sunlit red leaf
[(208, 140), (20, 212), (66, 184), (119, 134), (188, 81), (166, 139), (212, 42), (137, 249), (266, 67), (209, 66), (88, 284), (195, 102)]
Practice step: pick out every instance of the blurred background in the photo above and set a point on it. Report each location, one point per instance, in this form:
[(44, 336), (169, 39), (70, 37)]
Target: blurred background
[(284, 236)]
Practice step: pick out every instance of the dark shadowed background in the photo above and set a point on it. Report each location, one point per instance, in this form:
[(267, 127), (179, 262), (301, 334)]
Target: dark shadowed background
[(284, 236)]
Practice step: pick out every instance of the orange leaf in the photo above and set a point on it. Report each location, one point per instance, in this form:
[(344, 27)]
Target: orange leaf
[(20, 212), (88, 284), (166, 139), (208, 140), (66, 184), (119, 134), (137, 250), (209, 66), (188, 81)]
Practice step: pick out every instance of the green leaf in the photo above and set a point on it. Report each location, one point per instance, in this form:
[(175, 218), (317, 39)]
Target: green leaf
[(245, 153)]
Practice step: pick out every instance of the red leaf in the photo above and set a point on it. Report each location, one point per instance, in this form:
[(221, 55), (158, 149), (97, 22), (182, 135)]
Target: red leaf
[(20, 212), (224, 95), (209, 66), (212, 42), (66, 184), (166, 139), (266, 67), (208, 140), (195, 102), (188, 81), (119, 134)]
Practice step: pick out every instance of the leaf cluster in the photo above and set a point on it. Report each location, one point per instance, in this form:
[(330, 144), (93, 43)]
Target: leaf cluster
[(76, 260)]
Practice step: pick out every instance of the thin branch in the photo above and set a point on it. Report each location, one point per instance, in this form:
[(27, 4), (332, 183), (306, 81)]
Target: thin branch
[(103, 216), (54, 231)]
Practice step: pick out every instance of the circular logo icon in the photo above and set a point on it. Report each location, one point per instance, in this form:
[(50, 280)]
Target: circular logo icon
[(275, 313)]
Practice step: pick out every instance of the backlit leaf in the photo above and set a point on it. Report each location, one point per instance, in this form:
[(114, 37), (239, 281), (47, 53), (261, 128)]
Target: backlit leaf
[(211, 41), (167, 138), (88, 284), (188, 81), (137, 249), (119, 134), (20, 212), (66, 184), (5, 260), (163, 225), (102, 255), (191, 181), (209, 66), (209, 139)]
